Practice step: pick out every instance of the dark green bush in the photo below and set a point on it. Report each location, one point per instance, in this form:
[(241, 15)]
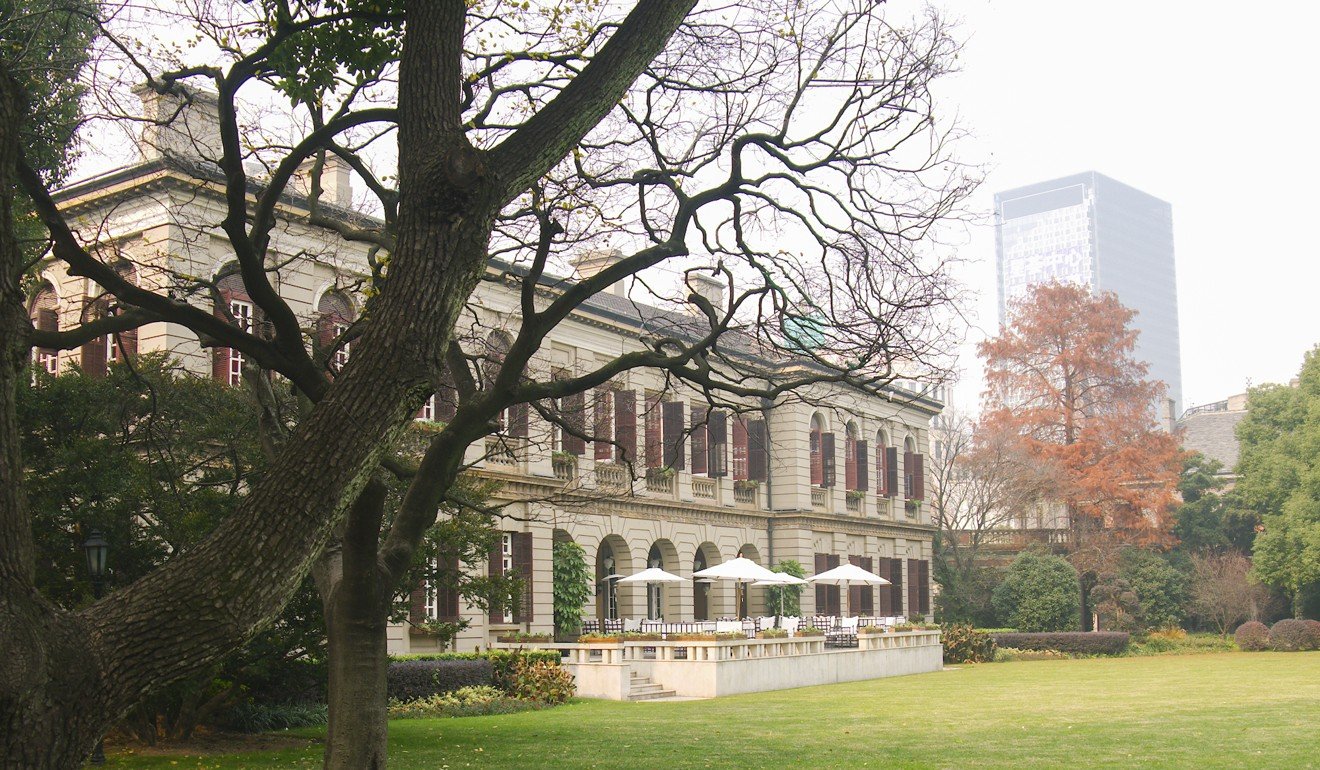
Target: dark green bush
[(412, 679), (1290, 635), (1079, 642), (1252, 636), (964, 644), (1040, 592)]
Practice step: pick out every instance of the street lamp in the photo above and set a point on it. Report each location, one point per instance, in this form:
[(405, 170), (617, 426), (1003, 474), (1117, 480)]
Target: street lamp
[(97, 549)]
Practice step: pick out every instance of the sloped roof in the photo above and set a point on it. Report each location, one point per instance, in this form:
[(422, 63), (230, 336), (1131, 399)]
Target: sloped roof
[(1213, 435)]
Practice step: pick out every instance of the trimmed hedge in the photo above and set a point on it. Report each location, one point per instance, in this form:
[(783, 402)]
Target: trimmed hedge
[(414, 679), (1078, 642), (1252, 636), (1290, 635)]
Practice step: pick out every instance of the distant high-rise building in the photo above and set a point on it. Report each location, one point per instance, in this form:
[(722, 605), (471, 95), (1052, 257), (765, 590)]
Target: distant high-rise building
[(1093, 230)]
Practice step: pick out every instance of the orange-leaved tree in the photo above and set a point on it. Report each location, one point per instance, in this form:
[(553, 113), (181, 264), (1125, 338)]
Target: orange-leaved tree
[(1061, 377)]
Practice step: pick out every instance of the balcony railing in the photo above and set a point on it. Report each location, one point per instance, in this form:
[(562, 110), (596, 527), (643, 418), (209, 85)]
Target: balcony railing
[(498, 452), (705, 489), (819, 498), (565, 468), (853, 502), (744, 493), (613, 478), (660, 481)]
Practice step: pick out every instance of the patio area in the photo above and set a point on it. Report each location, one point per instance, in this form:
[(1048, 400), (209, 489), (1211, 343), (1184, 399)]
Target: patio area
[(684, 660)]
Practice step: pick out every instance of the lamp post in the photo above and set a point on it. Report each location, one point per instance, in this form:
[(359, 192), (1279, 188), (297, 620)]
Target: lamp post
[(96, 549)]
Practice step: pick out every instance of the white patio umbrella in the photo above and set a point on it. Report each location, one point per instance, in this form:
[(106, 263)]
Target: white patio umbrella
[(653, 575), (847, 574), (740, 570), (781, 579)]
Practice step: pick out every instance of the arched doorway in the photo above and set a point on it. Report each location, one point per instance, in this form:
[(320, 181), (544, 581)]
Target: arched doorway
[(661, 600), (707, 556), (612, 562)]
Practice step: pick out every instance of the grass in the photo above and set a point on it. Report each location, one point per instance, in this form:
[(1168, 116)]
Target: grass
[(1196, 711)]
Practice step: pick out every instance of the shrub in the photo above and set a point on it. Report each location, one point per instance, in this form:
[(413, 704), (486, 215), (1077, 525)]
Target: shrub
[(1039, 593), (1010, 654), (504, 664), (730, 636), (1291, 635), (1079, 642), (1171, 634), (600, 639), (1252, 636), (696, 636), (964, 644), (772, 633), (412, 679), (463, 702), (541, 681), (266, 717), (516, 637), (809, 631), (1314, 625)]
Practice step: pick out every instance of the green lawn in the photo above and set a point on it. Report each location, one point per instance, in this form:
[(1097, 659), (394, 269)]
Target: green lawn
[(1227, 710)]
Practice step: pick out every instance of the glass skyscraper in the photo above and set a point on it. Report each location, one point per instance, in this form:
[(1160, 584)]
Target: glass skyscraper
[(1093, 230)]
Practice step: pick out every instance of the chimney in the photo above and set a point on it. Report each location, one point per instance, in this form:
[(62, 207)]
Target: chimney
[(708, 286), (182, 124), (592, 262), (336, 186)]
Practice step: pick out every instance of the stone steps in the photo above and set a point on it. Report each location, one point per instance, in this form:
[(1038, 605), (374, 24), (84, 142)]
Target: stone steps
[(642, 688)]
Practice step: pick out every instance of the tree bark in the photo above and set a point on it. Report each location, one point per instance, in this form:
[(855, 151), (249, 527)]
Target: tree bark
[(357, 608)]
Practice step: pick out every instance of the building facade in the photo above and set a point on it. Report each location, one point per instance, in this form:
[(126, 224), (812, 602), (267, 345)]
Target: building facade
[(831, 476), (1098, 232)]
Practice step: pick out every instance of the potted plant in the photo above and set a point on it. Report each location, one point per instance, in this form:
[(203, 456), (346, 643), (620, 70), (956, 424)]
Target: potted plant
[(560, 457), (746, 485), (855, 495)]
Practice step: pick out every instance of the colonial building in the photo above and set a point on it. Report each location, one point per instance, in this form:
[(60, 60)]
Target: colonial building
[(829, 476)]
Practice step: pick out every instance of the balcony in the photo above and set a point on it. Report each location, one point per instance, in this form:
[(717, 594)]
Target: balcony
[(705, 489), (564, 466), (853, 500), (745, 493), (499, 452), (819, 498), (660, 481), (613, 478)]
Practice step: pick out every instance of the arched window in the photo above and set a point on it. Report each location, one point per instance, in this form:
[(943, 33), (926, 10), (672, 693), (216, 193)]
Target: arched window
[(822, 453), (854, 453), (44, 312), (108, 348), (334, 314), (235, 307), (886, 466)]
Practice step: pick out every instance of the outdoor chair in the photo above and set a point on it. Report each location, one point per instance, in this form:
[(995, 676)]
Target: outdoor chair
[(652, 626), (790, 624), (613, 626), (632, 626), (591, 626)]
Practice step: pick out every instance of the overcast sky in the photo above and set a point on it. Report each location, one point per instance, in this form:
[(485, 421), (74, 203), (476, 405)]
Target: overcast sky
[(1209, 106)]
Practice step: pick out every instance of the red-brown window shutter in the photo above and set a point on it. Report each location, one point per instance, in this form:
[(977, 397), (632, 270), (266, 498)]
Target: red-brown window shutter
[(822, 596), (602, 422), (717, 434), (495, 568), (93, 357), (919, 476), (758, 451), (447, 589), (886, 598), (655, 438), (891, 471), (896, 590), (827, 459), (128, 342), (446, 398), (923, 586), (909, 465), (518, 420), (914, 586), (672, 425), (863, 466), (48, 319), (575, 416), (625, 425), (849, 463), (522, 566), (417, 605), (855, 592), (700, 421)]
